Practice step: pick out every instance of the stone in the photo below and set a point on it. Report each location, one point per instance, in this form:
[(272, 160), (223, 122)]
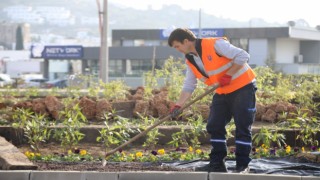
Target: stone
[(12, 159)]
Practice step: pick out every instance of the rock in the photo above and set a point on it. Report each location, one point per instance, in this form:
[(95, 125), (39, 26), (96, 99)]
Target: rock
[(39, 107), (281, 107), (269, 116), (161, 104), (139, 93), (204, 110), (103, 106), (12, 159), (261, 109), (141, 107), (53, 105), (88, 108), (310, 157)]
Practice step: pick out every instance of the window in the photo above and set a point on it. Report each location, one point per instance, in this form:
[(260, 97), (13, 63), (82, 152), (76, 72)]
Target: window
[(115, 67), (241, 43)]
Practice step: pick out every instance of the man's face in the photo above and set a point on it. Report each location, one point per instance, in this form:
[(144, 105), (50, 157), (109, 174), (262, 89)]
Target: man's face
[(183, 47)]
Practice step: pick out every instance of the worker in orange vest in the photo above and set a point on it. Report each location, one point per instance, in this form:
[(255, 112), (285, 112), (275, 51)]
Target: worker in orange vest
[(216, 61)]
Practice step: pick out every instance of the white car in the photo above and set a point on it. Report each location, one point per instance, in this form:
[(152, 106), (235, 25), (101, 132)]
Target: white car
[(5, 80), (34, 82)]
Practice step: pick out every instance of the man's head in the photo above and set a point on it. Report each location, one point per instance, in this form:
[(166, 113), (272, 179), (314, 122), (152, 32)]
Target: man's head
[(182, 40)]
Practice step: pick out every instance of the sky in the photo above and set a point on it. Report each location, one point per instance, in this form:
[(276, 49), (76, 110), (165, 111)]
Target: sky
[(279, 11)]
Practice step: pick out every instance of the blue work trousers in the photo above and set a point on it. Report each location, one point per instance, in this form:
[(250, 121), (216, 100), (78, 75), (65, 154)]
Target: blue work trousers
[(241, 106)]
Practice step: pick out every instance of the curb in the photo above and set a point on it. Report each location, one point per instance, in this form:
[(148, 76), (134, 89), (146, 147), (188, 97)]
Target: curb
[(152, 175)]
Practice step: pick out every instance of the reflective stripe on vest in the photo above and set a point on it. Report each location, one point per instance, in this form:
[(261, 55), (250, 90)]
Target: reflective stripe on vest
[(217, 66)]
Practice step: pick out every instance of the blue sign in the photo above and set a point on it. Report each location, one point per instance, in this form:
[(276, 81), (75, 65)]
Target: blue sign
[(204, 33), (57, 52), (208, 32)]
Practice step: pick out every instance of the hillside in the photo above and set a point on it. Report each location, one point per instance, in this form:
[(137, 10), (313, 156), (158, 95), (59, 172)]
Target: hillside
[(128, 18)]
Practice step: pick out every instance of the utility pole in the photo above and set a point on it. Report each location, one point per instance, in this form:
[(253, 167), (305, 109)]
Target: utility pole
[(104, 51), (200, 29)]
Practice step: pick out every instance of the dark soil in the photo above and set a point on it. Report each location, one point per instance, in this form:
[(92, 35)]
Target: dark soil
[(97, 166), (96, 151)]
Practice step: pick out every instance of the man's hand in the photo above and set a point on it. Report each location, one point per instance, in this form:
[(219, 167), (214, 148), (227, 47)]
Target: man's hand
[(175, 110), (225, 80)]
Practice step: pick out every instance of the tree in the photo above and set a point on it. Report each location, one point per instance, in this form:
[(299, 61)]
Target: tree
[(19, 39)]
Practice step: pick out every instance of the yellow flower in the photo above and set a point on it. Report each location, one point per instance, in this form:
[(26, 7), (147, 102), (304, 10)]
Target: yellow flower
[(31, 155), (139, 154), (265, 150), (123, 153), (319, 149), (131, 155), (190, 149), (288, 149), (38, 154), (27, 153), (263, 146), (198, 151), (161, 151), (83, 152), (302, 149), (69, 151)]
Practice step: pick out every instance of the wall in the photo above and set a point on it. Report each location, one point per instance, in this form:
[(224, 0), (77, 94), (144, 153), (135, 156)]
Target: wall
[(16, 68), (258, 51), (286, 50), (310, 51)]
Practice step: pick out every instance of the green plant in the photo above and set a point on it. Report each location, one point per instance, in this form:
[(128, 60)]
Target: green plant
[(309, 131), (69, 134), (265, 78), (114, 90), (118, 133), (179, 138), (31, 92), (20, 117), (197, 127), (36, 131), (171, 73), (230, 128), (35, 127), (152, 137), (264, 136)]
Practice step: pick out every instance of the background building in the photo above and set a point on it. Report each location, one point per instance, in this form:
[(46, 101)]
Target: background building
[(8, 36), (290, 49)]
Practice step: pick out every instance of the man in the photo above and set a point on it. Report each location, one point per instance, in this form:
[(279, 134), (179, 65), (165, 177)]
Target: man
[(215, 60)]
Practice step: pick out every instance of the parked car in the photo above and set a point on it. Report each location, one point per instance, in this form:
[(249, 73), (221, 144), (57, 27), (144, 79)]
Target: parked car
[(5, 80), (36, 82), (59, 83)]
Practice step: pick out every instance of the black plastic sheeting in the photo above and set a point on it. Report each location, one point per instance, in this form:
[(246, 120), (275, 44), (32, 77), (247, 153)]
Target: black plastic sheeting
[(284, 166)]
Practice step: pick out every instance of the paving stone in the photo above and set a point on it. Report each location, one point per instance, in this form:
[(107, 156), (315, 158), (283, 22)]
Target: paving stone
[(12, 159), (14, 175), (57, 175), (163, 175), (73, 175), (237, 176)]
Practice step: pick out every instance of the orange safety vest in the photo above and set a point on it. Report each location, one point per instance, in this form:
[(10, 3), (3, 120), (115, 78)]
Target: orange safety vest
[(216, 66)]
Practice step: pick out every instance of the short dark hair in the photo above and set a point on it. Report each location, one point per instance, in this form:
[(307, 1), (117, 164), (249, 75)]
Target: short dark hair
[(181, 34)]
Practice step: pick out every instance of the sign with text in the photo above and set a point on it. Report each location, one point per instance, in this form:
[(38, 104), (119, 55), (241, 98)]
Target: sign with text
[(57, 52), (165, 33)]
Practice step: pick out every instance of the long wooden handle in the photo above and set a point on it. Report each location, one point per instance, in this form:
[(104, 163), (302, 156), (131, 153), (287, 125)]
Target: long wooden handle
[(214, 87)]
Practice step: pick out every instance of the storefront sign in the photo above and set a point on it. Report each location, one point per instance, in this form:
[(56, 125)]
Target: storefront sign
[(57, 52), (165, 33)]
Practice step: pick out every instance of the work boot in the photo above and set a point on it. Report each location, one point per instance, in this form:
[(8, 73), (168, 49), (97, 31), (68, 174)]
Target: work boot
[(242, 169), (213, 167)]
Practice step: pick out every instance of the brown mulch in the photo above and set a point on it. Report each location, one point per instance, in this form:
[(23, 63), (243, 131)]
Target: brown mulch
[(96, 151), (110, 167)]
